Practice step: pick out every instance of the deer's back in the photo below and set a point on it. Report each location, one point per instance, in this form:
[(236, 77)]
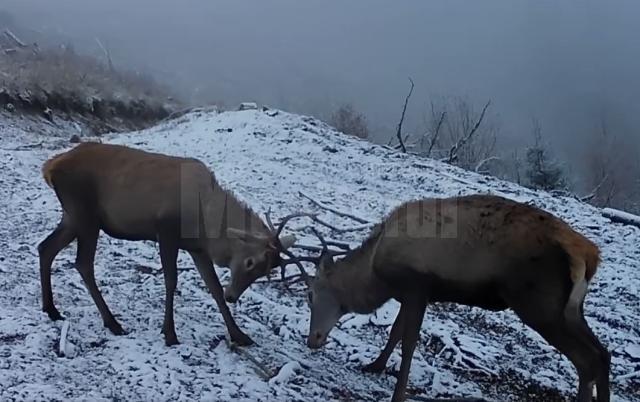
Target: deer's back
[(468, 239), (128, 188)]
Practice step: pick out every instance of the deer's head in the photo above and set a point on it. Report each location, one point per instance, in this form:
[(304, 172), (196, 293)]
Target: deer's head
[(326, 308), (253, 256)]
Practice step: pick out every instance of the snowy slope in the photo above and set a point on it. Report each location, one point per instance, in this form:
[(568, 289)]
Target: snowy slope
[(267, 158)]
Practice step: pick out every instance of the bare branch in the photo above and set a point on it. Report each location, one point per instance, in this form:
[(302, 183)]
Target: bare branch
[(318, 249), (106, 52), (453, 152), (404, 110), (337, 229), (595, 190), (484, 162), (342, 246), (330, 209), (62, 347), (263, 371), (434, 138)]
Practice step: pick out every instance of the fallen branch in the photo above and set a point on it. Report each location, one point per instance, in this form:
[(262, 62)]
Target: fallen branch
[(623, 217), (340, 245), (62, 347), (14, 38), (263, 371), (337, 229), (333, 210), (628, 376), (404, 110), (25, 147), (453, 152)]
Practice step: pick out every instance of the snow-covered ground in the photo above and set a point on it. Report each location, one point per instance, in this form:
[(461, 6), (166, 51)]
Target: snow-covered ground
[(267, 158)]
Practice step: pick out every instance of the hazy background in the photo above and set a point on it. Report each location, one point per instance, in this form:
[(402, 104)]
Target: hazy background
[(569, 64)]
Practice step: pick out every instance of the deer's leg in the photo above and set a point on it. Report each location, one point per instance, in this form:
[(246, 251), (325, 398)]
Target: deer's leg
[(205, 267), (414, 306), (579, 326), (168, 257), (379, 364), (48, 249), (544, 313), (87, 241)]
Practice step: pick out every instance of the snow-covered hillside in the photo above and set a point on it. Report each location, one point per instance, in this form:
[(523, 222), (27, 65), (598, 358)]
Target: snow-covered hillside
[(267, 158)]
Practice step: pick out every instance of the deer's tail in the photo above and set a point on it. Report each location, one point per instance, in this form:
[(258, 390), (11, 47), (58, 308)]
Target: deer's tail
[(584, 257), (48, 168)]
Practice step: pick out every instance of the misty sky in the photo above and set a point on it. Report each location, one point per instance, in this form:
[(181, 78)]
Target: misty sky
[(566, 63)]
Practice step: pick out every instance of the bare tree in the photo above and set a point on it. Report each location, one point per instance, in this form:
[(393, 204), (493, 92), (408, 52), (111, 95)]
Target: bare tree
[(457, 134), (430, 139), (612, 171), (404, 111)]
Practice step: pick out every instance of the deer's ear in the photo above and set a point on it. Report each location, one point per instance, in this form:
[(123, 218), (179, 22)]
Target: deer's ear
[(326, 263)]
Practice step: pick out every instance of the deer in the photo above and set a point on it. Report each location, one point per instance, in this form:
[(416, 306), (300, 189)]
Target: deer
[(176, 202), (479, 250)]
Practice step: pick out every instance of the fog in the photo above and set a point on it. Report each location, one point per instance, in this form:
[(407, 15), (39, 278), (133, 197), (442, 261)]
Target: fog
[(568, 64)]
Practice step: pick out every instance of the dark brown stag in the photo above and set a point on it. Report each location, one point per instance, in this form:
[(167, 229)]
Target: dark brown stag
[(482, 251), (135, 195)]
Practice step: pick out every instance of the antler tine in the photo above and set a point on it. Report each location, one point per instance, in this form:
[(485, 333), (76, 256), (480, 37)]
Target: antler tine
[(295, 260), (267, 217), (287, 218), (325, 246)]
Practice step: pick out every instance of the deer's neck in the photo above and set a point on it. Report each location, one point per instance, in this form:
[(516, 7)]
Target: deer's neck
[(359, 289), (222, 211)]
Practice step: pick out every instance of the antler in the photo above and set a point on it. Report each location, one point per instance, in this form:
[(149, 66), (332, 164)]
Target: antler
[(276, 234), (292, 259), (325, 245)]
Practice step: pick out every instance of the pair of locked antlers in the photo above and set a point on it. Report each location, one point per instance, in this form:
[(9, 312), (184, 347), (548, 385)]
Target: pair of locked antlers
[(293, 259)]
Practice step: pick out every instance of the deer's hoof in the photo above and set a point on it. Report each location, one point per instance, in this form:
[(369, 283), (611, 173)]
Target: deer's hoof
[(115, 329), (54, 314), (171, 340), (375, 367), (241, 339)]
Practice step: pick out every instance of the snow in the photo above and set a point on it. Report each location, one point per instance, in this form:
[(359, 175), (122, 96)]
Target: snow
[(267, 158)]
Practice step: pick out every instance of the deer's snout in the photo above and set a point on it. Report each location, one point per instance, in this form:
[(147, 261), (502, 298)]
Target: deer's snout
[(230, 296), (316, 339)]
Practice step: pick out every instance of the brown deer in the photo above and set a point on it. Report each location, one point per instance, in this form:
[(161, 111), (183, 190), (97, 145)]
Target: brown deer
[(136, 195), (480, 250)]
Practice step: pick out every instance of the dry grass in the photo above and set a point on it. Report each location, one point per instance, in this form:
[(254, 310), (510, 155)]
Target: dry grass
[(66, 82)]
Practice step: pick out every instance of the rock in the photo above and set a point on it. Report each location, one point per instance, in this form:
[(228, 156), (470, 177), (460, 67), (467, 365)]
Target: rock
[(75, 139)]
